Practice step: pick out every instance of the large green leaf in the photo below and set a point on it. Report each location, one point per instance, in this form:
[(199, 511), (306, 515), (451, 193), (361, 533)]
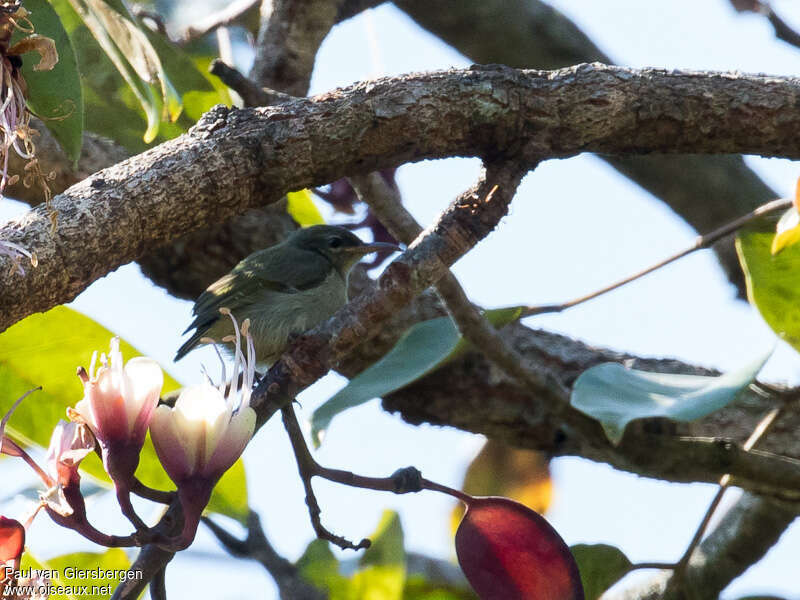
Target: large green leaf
[(111, 108), (615, 395), (45, 349), (601, 566), (55, 96), (422, 349), (773, 281), (83, 569)]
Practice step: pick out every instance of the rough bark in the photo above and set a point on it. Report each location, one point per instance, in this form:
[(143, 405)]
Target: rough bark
[(239, 159)]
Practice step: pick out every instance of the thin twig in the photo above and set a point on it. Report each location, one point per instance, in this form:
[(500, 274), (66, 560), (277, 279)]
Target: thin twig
[(403, 481), (307, 467), (251, 93), (761, 428), (386, 204), (228, 15), (701, 242)]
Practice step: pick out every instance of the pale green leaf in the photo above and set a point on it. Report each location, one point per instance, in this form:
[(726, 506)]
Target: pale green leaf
[(423, 348), (615, 395)]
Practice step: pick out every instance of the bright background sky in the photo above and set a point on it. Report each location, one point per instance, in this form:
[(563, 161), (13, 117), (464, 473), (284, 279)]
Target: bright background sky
[(590, 227)]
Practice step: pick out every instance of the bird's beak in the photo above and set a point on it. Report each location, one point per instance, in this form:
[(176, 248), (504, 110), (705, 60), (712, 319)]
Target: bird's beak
[(373, 247)]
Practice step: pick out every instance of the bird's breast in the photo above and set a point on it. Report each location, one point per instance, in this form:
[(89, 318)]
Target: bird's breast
[(277, 315)]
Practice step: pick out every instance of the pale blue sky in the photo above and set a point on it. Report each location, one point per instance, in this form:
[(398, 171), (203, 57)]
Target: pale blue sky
[(574, 226)]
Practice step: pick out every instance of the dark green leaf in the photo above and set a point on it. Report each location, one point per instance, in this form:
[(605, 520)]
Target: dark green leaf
[(111, 108), (615, 395), (773, 282), (55, 96), (601, 566), (423, 348)]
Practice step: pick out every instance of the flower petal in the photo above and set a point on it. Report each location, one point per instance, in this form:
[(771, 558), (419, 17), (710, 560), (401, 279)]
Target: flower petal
[(198, 413), (233, 442), (170, 446), (144, 380)]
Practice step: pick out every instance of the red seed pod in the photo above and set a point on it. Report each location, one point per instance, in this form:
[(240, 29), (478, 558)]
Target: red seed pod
[(12, 539), (509, 552)]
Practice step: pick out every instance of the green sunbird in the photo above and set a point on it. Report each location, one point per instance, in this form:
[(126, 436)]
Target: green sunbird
[(284, 290)]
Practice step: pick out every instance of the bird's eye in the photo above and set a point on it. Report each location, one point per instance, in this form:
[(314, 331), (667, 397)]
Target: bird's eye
[(335, 242)]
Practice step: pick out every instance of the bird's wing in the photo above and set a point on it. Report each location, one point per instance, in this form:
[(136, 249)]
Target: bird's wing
[(259, 272)]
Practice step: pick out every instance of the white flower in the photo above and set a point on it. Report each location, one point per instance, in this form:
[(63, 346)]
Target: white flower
[(118, 403), (209, 426)]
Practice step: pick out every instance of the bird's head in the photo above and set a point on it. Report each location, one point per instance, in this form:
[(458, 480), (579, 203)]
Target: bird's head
[(339, 245)]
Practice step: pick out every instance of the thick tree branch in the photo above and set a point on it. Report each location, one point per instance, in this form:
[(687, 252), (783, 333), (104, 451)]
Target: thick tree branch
[(236, 159), (532, 34)]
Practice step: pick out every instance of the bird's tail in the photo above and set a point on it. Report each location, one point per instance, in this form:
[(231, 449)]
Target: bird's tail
[(187, 347)]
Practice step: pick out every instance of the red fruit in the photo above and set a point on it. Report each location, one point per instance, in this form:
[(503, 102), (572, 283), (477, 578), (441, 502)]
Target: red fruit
[(509, 552), (12, 539)]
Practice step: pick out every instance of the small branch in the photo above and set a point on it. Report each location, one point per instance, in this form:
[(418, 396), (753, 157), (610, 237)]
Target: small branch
[(148, 493), (255, 546), (783, 30), (158, 585), (701, 242), (154, 17), (227, 16), (386, 204), (308, 467), (152, 559), (251, 93), (403, 481), (763, 426)]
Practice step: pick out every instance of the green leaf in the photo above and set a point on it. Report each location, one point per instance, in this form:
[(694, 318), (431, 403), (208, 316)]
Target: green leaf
[(601, 566), (615, 395), (422, 349), (419, 588), (45, 349), (773, 281), (319, 567), (123, 45), (190, 78), (110, 107), (383, 567), (302, 209), (113, 559), (230, 494), (55, 96), (380, 574)]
